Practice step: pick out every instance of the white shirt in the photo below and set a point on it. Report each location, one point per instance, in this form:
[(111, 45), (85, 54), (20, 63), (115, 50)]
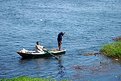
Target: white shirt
[(39, 48)]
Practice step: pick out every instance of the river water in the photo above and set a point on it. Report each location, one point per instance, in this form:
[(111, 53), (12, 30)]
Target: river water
[(88, 25)]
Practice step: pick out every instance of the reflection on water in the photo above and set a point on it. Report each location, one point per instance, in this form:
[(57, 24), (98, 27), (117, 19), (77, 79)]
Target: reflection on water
[(37, 63), (61, 68), (23, 61)]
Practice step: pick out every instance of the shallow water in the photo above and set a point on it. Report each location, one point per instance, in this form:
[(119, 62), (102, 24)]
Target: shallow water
[(88, 24)]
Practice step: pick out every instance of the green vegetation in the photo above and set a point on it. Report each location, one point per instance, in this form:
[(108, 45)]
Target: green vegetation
[(112, 50), (24, 78)]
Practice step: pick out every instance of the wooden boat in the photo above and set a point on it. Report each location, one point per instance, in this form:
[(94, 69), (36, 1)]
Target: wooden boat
[(33, 54)]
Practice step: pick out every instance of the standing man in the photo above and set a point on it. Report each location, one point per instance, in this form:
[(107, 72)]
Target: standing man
[(59, 39)]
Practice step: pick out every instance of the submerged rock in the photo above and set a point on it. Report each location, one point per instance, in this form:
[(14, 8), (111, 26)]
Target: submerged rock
[(117, 38), (90, 54)]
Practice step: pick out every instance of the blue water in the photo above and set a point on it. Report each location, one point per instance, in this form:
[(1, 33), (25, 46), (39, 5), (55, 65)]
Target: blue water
[(88, 25)]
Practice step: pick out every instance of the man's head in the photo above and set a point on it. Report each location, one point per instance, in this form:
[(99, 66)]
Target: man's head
[(62, 33), (37, 43)]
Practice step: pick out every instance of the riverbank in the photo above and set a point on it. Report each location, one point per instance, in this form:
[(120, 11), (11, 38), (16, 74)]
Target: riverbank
[(24, 78), (112, 49)]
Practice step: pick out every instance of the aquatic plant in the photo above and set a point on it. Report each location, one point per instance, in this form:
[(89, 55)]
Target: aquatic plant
[(25, 78), (112, 49)]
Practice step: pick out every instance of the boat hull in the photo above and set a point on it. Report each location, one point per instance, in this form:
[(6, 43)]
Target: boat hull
[(37, 55)]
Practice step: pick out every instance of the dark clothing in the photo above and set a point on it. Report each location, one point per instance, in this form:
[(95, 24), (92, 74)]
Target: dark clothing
[(59, 39), (59, 43), (60, 35)]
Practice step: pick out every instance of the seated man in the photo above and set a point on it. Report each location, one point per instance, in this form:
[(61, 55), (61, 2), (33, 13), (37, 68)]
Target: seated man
[(38, 47)]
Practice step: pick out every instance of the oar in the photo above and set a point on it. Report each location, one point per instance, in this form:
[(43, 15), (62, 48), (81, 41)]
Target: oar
[(52, 54)]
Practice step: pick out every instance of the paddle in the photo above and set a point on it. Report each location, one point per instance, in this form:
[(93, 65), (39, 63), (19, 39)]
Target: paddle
[(52, 54)]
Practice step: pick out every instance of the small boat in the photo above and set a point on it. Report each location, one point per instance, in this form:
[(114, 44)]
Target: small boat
[(33, 54)]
